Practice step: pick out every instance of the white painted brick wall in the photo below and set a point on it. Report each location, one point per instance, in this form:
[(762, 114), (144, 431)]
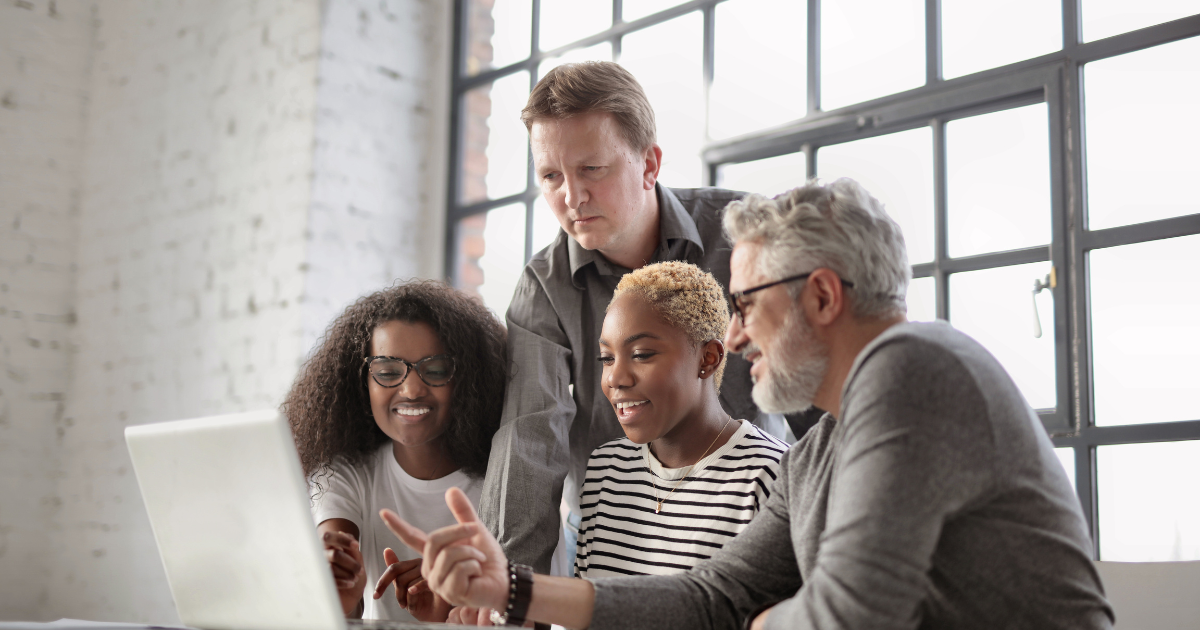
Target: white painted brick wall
[(378, 206), (183, 207), (195, 193), (226, 207), (44, 52)]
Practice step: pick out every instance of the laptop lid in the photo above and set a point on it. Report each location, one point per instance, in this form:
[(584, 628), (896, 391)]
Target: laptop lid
[(230, 511)]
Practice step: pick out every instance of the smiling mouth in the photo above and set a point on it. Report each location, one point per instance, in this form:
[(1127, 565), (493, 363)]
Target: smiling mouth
[(627, 409), (411, 411)]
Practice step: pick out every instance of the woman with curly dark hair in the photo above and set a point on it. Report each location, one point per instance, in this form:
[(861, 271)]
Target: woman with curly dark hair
[(397, 404)]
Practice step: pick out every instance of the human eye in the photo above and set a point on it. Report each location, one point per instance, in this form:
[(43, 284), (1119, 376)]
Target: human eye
[(642, 355), (605, 359)]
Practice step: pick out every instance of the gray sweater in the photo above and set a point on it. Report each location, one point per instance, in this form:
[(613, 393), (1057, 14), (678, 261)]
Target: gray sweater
[(935, 502)]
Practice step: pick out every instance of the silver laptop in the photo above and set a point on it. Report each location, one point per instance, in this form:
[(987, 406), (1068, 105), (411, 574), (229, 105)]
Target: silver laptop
[(230, 511)]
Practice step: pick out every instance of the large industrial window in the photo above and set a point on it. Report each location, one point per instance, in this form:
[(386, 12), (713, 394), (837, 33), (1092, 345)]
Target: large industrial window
[(1040, 156)]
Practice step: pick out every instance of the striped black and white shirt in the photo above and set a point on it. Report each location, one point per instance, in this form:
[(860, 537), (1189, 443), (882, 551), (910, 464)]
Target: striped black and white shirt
[(621, 535)]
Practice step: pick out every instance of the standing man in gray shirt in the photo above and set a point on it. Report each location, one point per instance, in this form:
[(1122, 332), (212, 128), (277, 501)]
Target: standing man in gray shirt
[(932, 500), (593, 137)]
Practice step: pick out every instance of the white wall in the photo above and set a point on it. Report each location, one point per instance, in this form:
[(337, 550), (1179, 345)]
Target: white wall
[(192, 217), (378, 207), (235, 173), (43, 79)]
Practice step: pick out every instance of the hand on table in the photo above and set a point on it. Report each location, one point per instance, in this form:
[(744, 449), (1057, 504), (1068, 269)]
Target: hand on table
[(462, 563), (470, 616), (349, 572), (412, 591)]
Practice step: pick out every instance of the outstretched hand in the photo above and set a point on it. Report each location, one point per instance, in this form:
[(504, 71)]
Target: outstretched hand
[(462, 563)]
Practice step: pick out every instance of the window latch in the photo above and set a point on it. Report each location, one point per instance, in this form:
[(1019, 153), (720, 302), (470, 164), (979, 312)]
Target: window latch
[(1050, 282)]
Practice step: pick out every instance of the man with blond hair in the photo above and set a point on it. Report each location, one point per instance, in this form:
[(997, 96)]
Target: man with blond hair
[(592, 132)]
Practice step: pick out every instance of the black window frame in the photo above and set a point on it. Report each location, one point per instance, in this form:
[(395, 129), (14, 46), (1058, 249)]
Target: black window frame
[(1055, 79)]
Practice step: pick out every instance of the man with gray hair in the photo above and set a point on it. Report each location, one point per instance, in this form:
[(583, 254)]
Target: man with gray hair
[(929, 496)]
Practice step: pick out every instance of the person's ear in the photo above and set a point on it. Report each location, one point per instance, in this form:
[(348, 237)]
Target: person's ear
[(651, 164), (711, 355), (824, 297)]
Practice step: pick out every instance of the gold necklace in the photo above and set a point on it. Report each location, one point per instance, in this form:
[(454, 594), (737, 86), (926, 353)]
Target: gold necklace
[(659, 502)]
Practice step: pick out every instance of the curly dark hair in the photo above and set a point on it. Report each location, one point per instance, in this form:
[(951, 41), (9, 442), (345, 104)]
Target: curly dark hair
[(329, 407)]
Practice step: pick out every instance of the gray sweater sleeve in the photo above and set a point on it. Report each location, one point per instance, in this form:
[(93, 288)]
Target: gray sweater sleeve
[(917, 448), (755, 568)]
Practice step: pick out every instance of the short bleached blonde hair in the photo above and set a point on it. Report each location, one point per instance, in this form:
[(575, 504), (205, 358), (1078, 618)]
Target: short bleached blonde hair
[(684, 295)]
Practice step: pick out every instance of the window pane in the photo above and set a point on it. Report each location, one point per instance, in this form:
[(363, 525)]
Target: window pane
[(896, 169), (498, 33), (1130, 176), (922, 300), (495, 158), (747, 33), (599, 52), (566, 21), (769, 176), (636, 9), (1103, 18), (870, 48), (995, 306), (666, 59), (980, 35), (545, 225), (998, 181), (1067, 457), (1146, 332), (1147, 497), (491, 255)]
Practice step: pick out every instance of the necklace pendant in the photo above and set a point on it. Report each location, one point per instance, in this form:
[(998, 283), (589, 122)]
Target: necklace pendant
[(658, 507)]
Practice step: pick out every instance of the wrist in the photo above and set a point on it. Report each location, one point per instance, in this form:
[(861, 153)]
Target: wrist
[(515, 609)]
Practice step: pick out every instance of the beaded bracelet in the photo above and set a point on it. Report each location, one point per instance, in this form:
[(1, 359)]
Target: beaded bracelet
[(520, 591)]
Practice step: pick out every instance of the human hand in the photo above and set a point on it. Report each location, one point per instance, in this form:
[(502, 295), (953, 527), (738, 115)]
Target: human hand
[(412, 591), (470, 616), (462, 563), (349, 572)]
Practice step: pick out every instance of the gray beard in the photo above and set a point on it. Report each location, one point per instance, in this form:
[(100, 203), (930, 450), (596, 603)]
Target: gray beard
[(797, 363)]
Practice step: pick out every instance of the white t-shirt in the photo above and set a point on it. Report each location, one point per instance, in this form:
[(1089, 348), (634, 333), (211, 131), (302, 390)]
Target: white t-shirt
[(621, 534), (358, 493)]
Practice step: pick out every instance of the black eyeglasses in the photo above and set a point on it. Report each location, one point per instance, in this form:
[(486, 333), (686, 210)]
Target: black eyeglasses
[(735, 298), (436, 370)]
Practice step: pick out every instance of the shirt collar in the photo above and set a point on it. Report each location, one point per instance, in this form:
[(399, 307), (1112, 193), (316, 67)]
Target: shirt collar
[(674, 223)]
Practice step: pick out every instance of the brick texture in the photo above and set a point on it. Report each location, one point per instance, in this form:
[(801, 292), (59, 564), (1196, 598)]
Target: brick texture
[(44, 51), (189, 191)]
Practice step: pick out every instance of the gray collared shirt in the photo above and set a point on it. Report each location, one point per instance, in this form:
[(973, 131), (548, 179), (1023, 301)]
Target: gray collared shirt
[(548, 429)]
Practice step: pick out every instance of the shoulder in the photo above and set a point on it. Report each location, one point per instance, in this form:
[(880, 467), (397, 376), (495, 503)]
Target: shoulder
[(911, 355), (706, 197), (620, 449), (341, 478), (761, 443)]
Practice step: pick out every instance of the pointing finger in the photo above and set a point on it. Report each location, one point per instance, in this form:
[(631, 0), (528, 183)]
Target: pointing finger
[(412, 537), (460, 506)]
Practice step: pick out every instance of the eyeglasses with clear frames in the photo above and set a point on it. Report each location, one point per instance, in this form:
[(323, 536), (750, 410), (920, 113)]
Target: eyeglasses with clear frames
[(435, 371), (735, 297)]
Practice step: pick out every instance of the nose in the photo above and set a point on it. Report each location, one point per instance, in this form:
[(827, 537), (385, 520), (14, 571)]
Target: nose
[(413, 387), (735, 335), (618, 375), (576, 192)]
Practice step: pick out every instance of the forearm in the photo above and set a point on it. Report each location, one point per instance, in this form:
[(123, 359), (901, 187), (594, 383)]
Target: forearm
[(567, 602)]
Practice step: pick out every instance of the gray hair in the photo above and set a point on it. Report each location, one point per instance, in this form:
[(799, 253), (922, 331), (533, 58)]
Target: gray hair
[(839, 226)]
